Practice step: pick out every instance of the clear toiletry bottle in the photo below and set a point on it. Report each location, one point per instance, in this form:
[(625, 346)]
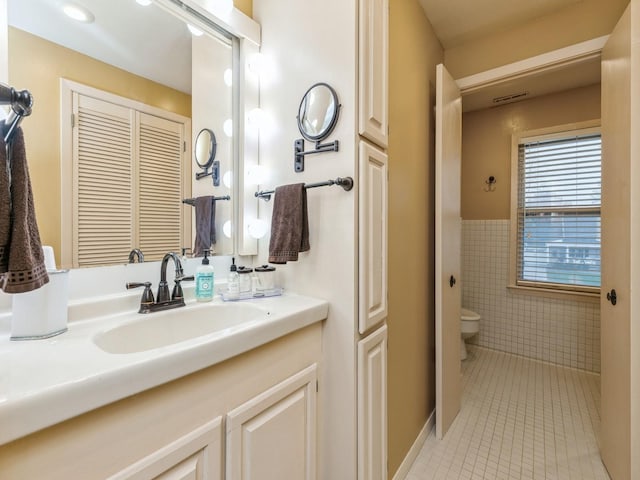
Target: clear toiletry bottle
[(204, 280), (233, 281)]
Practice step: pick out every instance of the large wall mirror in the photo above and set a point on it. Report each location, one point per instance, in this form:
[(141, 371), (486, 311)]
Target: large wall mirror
[(175, 66)]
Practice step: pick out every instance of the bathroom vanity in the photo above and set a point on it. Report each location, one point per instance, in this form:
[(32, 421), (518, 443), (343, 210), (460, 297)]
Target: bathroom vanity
[(237, 402)]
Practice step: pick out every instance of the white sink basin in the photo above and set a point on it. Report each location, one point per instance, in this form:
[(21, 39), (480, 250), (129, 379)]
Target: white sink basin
[(159, 329)]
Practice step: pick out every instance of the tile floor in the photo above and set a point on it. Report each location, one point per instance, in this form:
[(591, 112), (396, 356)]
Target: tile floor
[(520, 419)]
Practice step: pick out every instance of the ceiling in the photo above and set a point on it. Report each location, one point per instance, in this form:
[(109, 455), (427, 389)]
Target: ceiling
[(126, 35), (459, 21), (146, 41), (456, 22)]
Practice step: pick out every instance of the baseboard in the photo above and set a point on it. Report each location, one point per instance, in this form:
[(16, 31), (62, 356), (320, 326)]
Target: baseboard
[(406, 464)]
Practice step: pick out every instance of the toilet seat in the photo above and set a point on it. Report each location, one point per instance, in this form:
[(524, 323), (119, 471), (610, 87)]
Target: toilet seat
[(469, 326), (468, 315)]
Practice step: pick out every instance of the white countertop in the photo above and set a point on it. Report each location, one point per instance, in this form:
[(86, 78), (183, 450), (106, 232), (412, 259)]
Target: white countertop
[(43, 382)]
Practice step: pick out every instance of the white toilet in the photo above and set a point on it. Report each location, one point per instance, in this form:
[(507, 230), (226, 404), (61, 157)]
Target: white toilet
[(469, 326)]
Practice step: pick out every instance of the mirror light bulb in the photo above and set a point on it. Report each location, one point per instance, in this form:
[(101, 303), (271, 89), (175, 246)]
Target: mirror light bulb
[(196, 32), (257, 63), (227, 178), (256, 118), (227, 126), (228, 77), (226, 229), (258, 228), (144, 3), (257, 175), (225, 6)]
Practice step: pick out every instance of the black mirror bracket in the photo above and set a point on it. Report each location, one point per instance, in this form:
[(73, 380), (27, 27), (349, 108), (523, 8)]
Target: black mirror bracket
[(298, 148), (215, 173)]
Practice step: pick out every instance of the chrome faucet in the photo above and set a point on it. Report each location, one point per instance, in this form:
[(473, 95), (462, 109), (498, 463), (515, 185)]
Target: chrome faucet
[(163, 300), (136, 253)]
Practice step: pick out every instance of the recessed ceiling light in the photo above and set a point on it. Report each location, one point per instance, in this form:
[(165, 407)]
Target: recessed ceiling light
[(194, 31), (78, 12), (144, 3)]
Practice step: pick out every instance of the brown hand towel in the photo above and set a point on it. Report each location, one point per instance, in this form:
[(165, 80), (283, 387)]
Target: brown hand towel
[(289, 224), (205, 224), (22, 258)]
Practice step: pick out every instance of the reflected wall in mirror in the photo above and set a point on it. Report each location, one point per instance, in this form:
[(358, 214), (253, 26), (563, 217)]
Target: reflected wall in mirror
[(163, 76)]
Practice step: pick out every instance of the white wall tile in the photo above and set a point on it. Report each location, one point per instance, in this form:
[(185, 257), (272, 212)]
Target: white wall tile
[(565, 332)]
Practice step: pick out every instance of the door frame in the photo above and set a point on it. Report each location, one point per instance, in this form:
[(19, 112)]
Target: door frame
[(546, 62)]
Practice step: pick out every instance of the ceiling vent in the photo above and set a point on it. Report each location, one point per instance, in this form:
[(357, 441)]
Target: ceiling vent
[(514, 97)]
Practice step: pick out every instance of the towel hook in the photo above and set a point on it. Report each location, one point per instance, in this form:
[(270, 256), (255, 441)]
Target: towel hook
[(491, 184)]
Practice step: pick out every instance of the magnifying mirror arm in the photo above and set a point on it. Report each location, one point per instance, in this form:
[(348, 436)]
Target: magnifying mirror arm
[(298, 165), (215, 173)]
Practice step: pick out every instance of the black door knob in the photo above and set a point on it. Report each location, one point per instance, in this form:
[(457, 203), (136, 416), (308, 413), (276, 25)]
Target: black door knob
[(452, 281), (612, 297)]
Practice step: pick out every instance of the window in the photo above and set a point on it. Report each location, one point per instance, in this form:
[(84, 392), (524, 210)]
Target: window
[(557, 216)]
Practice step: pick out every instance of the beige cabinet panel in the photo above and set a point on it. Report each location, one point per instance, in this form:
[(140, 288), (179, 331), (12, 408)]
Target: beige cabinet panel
[(272, 436), (372, 406), (196, 456), (373, 219), (373, 60)]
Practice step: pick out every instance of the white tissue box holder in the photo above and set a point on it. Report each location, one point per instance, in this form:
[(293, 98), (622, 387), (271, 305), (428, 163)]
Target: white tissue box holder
[(41, 313)]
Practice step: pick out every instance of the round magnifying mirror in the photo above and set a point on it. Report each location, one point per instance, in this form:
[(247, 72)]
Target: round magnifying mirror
[(318, 112), (205, 148)]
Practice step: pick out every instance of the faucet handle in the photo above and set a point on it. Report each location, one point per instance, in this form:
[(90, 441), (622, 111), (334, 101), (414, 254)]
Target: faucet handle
[(177, 293), (147, 296)]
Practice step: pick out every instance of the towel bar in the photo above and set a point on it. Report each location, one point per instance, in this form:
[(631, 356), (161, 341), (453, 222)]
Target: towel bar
[(345, 182), (192, 201)]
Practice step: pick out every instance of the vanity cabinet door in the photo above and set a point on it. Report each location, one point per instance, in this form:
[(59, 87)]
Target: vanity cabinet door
[(372, 406), (373, 51), (372, 248), (273, 435), (196, 456)]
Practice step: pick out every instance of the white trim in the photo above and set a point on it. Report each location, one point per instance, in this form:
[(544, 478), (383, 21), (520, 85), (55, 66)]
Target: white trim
[(555, 131), (555, 59), (235, 22), (414, 451)]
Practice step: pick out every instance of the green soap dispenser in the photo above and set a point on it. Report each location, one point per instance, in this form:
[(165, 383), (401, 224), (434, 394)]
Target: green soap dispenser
[(204, 280)]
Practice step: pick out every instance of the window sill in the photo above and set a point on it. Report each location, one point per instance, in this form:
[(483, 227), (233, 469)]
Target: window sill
[(586, 297)]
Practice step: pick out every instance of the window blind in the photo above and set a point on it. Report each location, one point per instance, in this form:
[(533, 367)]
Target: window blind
[(559, 212)]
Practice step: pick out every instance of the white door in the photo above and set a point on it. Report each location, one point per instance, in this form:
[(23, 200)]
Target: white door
[(620, 233), (448, 169)]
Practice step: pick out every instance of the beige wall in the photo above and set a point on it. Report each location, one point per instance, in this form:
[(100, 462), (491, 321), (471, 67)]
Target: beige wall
[(575, 23), (414, 53), (38, 65), (245, 6), (486, 144)]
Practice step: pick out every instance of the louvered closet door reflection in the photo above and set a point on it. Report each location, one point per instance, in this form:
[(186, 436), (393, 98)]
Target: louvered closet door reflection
[(160, 192), (103, 182)]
